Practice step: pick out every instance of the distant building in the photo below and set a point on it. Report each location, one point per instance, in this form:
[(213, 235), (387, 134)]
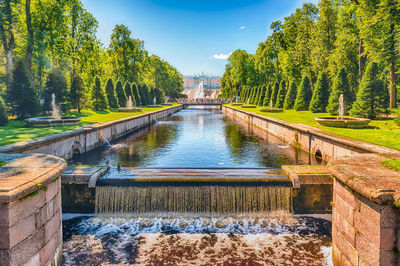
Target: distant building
[(211, 84)]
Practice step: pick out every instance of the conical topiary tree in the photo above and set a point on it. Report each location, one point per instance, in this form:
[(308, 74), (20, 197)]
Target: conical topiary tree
[(76, 92), (290, 97), (143, 97), (146, 91), (274, 93), (255, 101), (98, 96), (340, 86), (280, 97), (111, 94), (121, 95), (267, 97), (262, 95), (21, 93), (135, 91), (3, 113), (320, 95), (371, 95), (304, 94)]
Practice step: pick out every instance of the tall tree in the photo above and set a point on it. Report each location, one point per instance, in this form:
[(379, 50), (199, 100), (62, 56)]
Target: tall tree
[(76, 92), (99, 98), (280, 98), (340, 86), (304, 94), (121, 94), (290, 97)]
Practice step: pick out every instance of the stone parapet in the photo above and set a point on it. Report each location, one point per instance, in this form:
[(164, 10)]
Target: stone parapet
[(30, 209)]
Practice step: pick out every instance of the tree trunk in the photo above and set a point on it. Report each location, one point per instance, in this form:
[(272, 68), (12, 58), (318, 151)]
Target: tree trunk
[(29, 48), (392, 85), (7, 37), (362, 59)]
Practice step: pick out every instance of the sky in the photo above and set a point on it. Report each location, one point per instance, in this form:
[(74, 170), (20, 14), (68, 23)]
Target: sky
[(195, 36)]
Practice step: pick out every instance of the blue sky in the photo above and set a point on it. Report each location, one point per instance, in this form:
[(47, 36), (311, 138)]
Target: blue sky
[(194, 35)]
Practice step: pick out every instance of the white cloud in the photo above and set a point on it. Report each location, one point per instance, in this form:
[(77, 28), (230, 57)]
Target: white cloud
[(243, 27), (221, 56)]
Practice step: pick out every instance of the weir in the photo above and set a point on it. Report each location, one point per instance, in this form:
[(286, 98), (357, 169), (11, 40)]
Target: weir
[(210, 199), (209, 191)]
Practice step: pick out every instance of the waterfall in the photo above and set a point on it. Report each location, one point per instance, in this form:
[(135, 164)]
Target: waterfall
[(211, 199)]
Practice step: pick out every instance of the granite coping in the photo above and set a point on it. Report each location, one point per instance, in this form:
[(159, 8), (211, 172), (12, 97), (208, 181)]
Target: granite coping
[(308, 175), (23, 174), (357, 144), (37, 142), (364, 174)]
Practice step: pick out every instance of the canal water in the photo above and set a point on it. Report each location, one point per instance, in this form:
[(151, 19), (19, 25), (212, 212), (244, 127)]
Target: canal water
[(186, 224)]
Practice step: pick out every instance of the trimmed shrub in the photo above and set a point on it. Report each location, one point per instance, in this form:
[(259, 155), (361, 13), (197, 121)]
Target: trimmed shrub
[(21, 93), (304, 94), (267, 97), (371, 95), (111, 94), (262, 95), (290, 97), (280, 97), (129, 93), (146, 92), (76, 92), (257, 96), (320, 95), (121, 94), (143, 98), (340, 86), (98, 96), (274, 93), (57, 84), (135, 91), (3, 113)]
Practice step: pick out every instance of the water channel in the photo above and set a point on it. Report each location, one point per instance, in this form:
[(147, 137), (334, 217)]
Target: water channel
[(191, 224)]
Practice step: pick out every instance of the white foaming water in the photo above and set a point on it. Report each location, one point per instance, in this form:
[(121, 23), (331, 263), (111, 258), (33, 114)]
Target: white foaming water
[(199, 91), (159, 239), (129, 103), (55, 111)]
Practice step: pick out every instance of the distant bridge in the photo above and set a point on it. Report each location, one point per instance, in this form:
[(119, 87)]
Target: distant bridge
[(186, 105)]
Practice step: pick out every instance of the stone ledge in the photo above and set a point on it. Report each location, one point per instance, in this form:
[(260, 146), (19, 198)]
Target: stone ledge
[(365, 174), (308, 175), (26, 173)]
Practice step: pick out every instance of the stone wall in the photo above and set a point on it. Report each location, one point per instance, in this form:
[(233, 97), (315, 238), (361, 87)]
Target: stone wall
[(307, 138), (30, 210), (87, 138)]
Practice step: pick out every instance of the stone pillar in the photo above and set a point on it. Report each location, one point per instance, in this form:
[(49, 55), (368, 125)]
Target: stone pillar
[(365, 219), (30, 209)]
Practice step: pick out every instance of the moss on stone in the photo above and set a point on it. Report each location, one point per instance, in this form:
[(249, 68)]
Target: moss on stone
[(392, 164)]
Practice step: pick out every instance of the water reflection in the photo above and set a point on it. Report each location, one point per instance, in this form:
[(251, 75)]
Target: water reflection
[(200, 139)]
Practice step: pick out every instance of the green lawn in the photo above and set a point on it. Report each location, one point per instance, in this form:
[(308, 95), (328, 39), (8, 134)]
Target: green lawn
[(16, 131), (392, 164), (381, 132)]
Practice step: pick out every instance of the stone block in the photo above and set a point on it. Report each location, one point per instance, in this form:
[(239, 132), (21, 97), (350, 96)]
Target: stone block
[(52, 226), (11, 236), (367, 250), (49, 249), (346, 195), (344, 228), (17, 210), (33, 261), (345, 210), (382, 215), (52, 189), (382, 238)]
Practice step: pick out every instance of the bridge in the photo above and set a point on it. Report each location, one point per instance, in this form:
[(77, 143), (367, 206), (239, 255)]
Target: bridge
[(186, 105)]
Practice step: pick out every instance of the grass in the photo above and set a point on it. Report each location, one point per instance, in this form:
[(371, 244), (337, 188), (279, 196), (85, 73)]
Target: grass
[(392, 164), (2, 163), (383, 132), (16, 130)]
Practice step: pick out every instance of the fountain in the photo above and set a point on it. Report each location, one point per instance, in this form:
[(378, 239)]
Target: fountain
[(129, 107), (154, 103), (342, 120), (55, 119), (271, 109), (248, 105)]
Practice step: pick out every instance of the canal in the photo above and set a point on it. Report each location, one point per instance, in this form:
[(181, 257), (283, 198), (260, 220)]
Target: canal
[(188, 224)]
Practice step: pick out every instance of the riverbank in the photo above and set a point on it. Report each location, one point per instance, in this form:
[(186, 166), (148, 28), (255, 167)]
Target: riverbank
[(16, 130), (383, 132)]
